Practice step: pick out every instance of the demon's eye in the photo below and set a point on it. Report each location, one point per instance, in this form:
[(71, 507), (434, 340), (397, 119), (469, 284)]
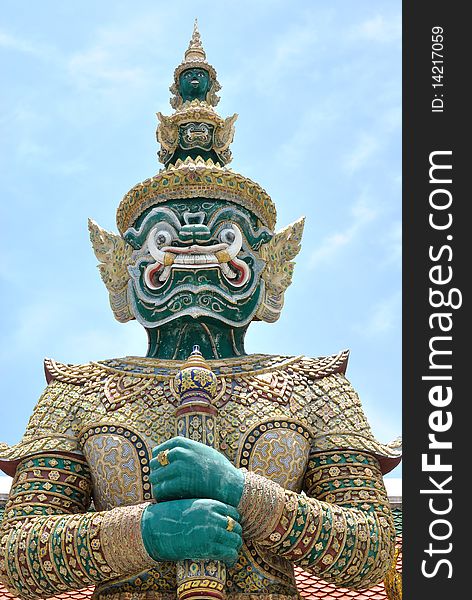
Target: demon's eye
[(163, 238), (161, 235), (227, 235)]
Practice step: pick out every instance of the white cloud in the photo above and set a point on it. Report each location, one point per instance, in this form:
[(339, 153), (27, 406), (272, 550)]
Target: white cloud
[(111, 64), (378, 29), (294, 45), (113, 60), (23, 129), (106, 342), (360, 156), (98, 67), (362, 214), (370, 144), (394, 486), (393, 243), (292, 50), (311, 128), (37, 320), (18, 44), (384, 317), (69, 167), (29, 149), (59, 328)]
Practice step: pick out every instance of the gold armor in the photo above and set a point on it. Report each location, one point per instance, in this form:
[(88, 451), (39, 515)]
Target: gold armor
[(276, 416)]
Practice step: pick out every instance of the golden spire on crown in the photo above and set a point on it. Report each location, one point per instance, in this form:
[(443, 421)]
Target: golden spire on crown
[(195, 49)]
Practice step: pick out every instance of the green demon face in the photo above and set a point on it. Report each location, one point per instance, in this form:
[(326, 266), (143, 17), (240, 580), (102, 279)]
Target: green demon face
[(198, 258), (194, 84)]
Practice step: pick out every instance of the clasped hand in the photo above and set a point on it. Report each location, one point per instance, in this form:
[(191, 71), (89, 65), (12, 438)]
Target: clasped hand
[(197, 491)]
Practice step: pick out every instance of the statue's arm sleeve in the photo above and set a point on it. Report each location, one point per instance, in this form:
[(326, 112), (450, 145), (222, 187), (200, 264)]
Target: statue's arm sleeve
[(340, 530), (49, 544)]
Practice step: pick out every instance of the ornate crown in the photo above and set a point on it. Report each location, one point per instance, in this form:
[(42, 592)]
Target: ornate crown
[(195, 179)]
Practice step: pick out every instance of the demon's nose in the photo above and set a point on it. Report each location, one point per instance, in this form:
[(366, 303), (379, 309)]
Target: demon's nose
[(194, 231)]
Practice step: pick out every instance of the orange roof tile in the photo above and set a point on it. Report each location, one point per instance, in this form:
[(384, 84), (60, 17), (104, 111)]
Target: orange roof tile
[(312, 588), (84, 594), (309, 587)]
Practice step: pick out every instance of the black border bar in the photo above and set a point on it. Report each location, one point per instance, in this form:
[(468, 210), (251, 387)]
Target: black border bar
[(436, 323)]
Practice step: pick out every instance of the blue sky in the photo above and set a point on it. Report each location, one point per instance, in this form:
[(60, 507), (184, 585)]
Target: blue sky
[(317, 86)]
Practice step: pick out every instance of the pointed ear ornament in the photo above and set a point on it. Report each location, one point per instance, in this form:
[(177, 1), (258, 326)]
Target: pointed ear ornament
[(114, 255), (277, 275)]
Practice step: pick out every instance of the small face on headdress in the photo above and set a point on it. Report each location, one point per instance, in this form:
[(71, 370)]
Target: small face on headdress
[(194, 84), (194, 68)]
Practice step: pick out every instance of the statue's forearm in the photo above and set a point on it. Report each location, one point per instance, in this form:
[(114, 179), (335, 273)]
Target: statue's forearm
[(46, 550), (345, 535)]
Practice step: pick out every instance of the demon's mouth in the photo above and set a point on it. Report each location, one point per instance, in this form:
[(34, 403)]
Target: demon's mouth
[(222, 255)]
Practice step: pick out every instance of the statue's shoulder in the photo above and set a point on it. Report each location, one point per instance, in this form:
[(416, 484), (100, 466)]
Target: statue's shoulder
[(72, 390), (75, 374), (322, 366), (55, 420), (334, 410), (138, 368)]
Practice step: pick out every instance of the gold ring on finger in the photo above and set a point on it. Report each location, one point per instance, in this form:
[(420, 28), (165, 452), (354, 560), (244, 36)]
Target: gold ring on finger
[(230, 524), (162, 458)]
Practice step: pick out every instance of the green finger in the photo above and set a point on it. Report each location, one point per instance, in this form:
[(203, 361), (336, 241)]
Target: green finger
[(237, 529), (170, 472), (230, 539), (223, 523), (225, 554), (226, 510), (169, 444)]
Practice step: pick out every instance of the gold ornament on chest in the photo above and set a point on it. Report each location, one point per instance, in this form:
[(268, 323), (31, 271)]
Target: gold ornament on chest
[(119, 388)]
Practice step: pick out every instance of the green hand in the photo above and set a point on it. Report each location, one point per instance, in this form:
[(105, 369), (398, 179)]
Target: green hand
[(194, 471), (191, 529)]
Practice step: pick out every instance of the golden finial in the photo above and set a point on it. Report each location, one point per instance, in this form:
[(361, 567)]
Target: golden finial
[(195, 49), (196, 359)]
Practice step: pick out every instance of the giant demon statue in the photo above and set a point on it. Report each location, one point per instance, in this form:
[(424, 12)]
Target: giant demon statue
[(213, 477)]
